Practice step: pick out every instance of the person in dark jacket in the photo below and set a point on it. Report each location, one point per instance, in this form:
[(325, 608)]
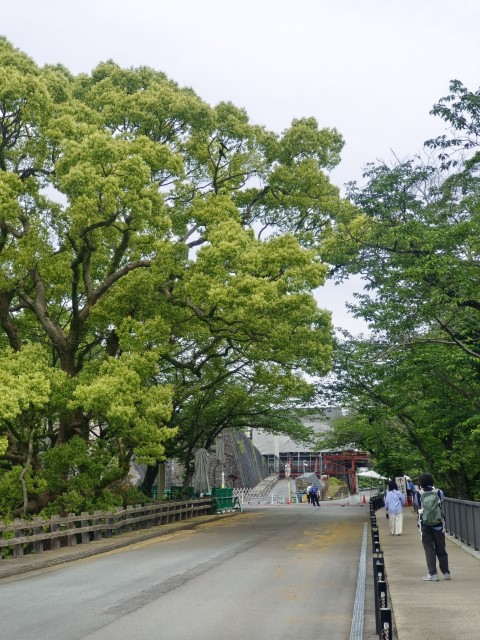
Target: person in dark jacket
[(433, 536), (314, 496)]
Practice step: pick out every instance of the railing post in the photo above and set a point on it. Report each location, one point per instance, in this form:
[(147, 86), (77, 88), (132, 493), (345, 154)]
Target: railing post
[(17, 533), (84, 523), (37, 529), (378, 576), (382, 594), (71, 537), (386, 632), (54, 527), (97, 533)]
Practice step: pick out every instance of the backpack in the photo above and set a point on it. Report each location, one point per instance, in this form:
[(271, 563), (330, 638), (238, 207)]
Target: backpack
[(431, 515), (314, 489)]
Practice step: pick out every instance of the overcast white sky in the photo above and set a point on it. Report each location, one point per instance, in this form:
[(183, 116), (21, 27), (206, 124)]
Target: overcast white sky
[(370, 68)]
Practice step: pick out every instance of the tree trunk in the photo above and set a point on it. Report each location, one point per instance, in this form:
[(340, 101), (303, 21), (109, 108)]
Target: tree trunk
[(150, 477)]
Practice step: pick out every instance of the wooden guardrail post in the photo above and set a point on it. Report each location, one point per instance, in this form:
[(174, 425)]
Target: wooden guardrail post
[(84, 524), (71, 525), (97, 533), (18, 533), (54, 528), (37, 527)]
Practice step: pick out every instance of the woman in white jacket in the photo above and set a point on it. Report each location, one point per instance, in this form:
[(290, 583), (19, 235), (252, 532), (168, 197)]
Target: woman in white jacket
[(394, 503)]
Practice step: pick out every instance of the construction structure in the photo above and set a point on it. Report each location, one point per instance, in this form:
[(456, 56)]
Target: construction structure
[(281, 450), (344, 464)]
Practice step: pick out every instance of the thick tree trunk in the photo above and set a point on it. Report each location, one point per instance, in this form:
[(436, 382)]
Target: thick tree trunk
[(150, 477), (75, 423)]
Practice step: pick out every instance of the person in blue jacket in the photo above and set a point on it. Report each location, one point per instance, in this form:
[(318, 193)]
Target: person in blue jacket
[(314, 495), (394, 503)]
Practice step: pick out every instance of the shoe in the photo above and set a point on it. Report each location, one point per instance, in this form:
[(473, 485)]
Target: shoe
[(432, 577), (446, 576)]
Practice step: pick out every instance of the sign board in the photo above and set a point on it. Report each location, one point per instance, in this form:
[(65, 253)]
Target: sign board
[(402, 484)]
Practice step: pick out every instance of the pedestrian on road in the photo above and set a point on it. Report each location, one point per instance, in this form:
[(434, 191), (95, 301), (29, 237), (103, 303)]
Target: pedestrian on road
[(314, 495), (394, 503), (410, 492), (309, 492), (432, 528)]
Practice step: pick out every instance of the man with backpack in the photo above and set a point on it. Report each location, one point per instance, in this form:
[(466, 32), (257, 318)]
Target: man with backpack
[(432, 528)]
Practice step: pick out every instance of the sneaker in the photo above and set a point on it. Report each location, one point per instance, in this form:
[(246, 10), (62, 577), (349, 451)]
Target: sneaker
[(432, 577), (446, 576)]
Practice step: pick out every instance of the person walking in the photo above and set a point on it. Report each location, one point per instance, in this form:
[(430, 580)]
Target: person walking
[(432, 528), (309, 492), (314, 495), (410, 492), (394, 503)]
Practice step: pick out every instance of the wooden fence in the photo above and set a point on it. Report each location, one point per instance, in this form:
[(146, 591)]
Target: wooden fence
[(35, 536)]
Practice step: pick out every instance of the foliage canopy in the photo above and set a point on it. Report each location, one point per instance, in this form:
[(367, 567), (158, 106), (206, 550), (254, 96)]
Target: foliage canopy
[(157, 263), (413, 383)]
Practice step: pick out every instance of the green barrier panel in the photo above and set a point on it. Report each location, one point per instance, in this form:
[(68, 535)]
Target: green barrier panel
[(177, 493), (223, 498)]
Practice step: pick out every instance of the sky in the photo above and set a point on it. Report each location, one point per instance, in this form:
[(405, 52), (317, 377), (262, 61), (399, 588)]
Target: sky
[(372, 69)]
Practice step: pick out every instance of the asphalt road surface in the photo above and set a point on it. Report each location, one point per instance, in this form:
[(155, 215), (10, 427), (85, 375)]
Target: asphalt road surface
[(269, 573)]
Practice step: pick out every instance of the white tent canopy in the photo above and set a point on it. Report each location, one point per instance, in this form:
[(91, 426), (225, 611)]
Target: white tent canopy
[(371, 474)]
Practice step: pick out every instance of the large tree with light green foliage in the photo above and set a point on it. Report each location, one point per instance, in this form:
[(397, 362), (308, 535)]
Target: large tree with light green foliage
[(157, 263)]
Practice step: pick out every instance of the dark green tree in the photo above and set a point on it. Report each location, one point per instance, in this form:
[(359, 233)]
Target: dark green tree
[(413, 240)]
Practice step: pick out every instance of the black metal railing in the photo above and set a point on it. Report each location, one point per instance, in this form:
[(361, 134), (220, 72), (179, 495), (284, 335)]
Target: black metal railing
[(462, 520), (383, 613)]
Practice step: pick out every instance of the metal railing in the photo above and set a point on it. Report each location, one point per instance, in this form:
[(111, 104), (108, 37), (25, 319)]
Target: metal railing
[(267, 496), (462, 521), (383, 613)]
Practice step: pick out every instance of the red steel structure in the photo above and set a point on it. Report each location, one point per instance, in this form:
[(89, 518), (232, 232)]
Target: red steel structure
[(344, 463)]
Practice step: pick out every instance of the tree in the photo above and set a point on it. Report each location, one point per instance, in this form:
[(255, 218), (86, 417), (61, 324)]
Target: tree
[(161, 256), (413, 407), (413, 238)]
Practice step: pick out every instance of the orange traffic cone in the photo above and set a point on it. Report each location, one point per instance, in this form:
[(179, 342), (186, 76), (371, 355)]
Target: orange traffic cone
[(364, 501)]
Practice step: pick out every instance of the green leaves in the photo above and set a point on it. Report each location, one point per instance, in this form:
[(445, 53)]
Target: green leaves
[(304, 140), (24, 382), (413, 384), (162, 256)]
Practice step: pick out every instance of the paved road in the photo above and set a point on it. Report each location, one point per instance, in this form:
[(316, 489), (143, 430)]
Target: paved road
[(271, 573)]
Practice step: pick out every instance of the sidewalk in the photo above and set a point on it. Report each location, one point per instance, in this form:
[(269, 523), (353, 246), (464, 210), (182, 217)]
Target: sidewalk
[(444, 610), (33, 562)]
